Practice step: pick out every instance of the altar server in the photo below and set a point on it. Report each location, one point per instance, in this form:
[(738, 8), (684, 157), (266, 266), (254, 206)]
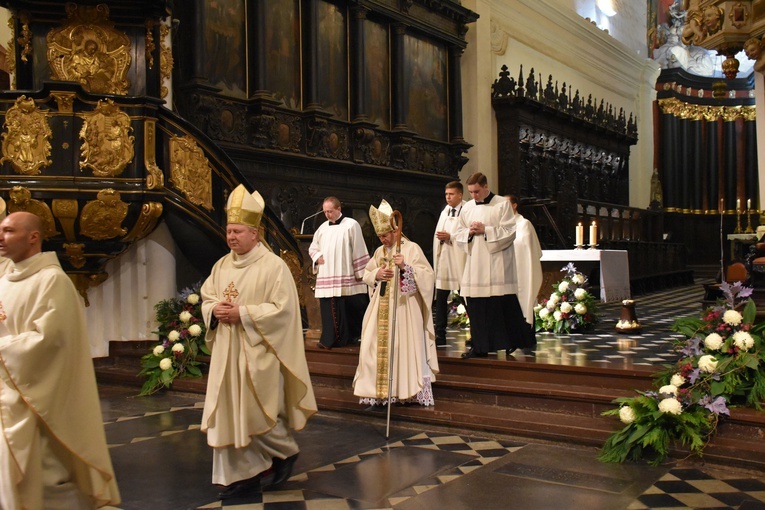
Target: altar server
[(528, 263), (486, 232), (339, 255)]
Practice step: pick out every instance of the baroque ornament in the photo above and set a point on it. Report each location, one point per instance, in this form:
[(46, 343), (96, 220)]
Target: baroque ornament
[(88, 49), (26, 141), (102, 218), (107, 144), (21, 200), (190, 171)]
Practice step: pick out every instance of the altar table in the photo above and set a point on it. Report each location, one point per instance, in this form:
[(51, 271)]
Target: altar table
[(614, 269)]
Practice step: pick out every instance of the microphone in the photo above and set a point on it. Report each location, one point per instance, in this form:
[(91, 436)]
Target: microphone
[(302, 225)]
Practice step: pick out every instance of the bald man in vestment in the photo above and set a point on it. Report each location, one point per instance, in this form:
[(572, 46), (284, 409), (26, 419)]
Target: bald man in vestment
[(53, 452), (5, 264), (258, 387)]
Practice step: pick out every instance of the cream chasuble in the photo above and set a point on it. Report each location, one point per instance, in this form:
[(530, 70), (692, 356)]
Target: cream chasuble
[(48, 387), (6, 265), (415, 360), (448, 258), (528, 253), (245, 403), (490, 266), (345, 256)]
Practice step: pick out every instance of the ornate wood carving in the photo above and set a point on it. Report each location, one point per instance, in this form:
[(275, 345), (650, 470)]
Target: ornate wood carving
[(89, 50), (107, 144), (66, 211), (21, 200), (26, 141), (190, 171), (102, 218)]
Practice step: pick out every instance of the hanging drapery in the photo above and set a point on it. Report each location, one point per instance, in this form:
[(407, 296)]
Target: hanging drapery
[(708, 153)]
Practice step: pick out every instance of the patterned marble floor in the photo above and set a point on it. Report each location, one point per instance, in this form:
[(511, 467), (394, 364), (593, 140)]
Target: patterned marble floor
[(163, 462)]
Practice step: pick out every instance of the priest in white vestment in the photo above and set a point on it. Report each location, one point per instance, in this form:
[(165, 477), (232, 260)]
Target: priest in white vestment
[(258, 388), (528, 263), (53, 452), (6, 265), (448, 258), (412, 342), (339, 255), (486, 232)]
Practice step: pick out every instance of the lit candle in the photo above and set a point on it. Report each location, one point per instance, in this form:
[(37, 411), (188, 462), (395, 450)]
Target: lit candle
[(738, 204), (748, 204), (593, 234), (579, 234)]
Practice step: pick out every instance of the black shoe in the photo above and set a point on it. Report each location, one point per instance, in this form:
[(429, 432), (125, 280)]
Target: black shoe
[(472, 354), (282, 470), (440, 342), (376, 408), (322, 346), (508, 352), (241, 488)]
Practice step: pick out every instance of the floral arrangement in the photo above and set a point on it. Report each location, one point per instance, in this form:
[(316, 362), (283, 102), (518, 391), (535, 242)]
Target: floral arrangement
[(458, 310), (181, 332), (722, 364), (569, 308)]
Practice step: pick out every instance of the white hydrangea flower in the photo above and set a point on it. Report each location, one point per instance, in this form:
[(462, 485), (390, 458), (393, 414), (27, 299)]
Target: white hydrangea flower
[(626, 414), (551, 305), (677, 380), (554, 298), (707, 363), (580, 293), (743, 340), (557, 315), (578, 278), (178, 348), (158, 350), (461, 309), (537, 308), (166, 363), (670, 405), (669, 389), (544, 313), (713, 342), (173, 336), (566, 307), (732, 317), (192, 299), (185, 316), (563, 286), (580, 308), (195, 330)]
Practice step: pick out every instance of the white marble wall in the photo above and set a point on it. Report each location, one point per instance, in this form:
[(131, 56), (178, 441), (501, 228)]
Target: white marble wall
[(551, 37)]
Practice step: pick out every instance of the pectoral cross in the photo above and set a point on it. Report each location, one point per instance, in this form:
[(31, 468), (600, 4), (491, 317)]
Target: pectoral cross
[(231, 293)]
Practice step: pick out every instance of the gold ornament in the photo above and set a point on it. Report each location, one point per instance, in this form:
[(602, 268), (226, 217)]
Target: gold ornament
[(102, 218), (108, 145), (21, 200), (190, 171), (26, 143)]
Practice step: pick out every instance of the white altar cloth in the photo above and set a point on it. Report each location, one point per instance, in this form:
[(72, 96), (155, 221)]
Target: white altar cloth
[(614, 269)]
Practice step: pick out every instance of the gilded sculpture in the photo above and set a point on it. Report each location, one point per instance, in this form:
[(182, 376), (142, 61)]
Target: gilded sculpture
[(102, 218), (107, 144), (26, 139), (88, 49), (190, 171), (165, 59), (21, 200)]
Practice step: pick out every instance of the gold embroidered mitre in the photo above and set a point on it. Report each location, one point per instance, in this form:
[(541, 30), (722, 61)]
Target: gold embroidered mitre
[(380, 217), (244, 208)]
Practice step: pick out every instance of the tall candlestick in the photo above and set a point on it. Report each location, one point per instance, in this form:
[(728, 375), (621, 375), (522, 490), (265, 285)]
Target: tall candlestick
[(722, 206), (579, 234), (593, 234)]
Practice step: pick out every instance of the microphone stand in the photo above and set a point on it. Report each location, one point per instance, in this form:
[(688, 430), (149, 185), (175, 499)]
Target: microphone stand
[(302, 225)]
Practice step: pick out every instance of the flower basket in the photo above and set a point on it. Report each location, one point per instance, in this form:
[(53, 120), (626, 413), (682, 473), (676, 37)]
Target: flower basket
[(181, 330), (571, 308), (722, 363)]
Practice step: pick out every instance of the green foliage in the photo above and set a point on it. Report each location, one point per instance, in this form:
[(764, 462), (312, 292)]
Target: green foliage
[(722, 363), (181, 330)]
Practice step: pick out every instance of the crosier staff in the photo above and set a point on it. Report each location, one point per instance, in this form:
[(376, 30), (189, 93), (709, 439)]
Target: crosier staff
[(397, 222)]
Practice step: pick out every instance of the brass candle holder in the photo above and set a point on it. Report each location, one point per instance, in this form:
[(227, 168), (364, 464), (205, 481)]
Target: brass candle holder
[(749, 229), (738, 221)]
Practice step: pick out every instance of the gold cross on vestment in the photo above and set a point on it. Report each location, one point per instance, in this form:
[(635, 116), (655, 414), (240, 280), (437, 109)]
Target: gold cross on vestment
[(231, 293)]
